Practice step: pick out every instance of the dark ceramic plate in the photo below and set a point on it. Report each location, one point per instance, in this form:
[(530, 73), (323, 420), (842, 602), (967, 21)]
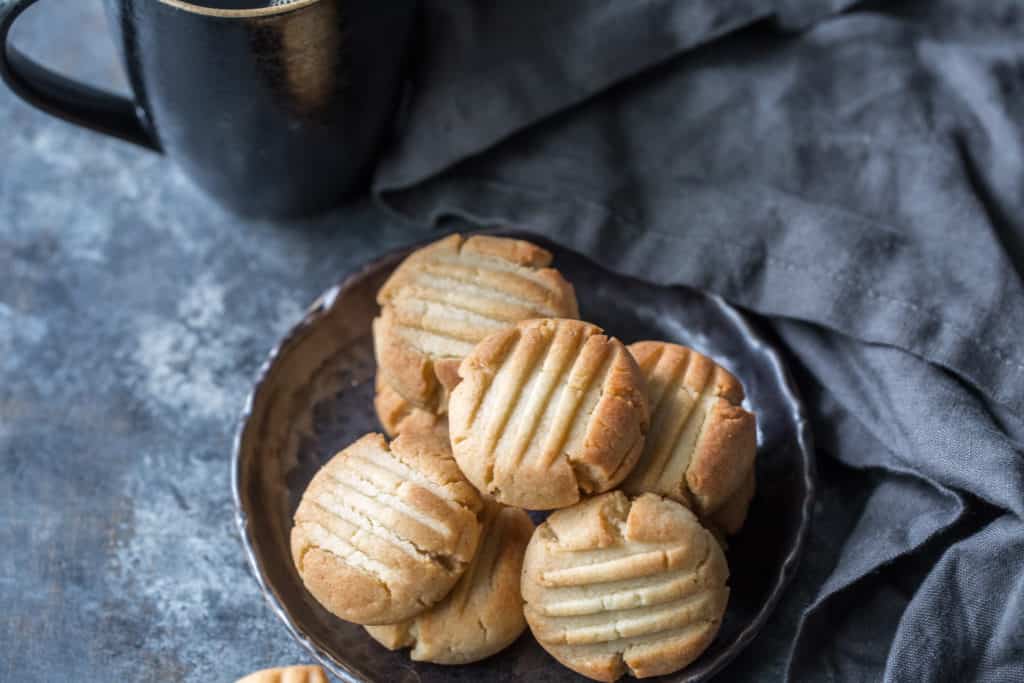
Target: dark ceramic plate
[(314, 395)]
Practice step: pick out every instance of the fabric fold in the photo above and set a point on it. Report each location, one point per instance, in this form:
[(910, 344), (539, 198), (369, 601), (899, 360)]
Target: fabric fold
[(488, 70)]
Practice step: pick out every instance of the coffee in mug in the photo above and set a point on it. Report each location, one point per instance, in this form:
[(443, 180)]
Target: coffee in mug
[(241, 4)]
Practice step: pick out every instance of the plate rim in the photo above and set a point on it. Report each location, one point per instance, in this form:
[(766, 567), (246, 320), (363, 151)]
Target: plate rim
[(325, 302)]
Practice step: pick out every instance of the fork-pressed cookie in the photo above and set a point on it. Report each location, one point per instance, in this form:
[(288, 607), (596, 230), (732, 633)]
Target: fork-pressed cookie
[(287, 674), (546, 411), (447, 296), (702, 443), (615, 586), (384, 531), (397, 415), (484, 612), (731, 516)]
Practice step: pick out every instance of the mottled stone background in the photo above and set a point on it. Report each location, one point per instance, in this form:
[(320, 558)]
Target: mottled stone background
[(133, 315)]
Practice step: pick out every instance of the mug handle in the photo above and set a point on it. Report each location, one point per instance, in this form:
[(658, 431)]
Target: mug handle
[(75, 102)]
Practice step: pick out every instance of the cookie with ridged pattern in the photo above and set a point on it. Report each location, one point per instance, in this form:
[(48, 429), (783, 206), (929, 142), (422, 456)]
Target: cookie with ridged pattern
[(548, 411), (733, 514), (484, 612), (287, 674), (396, 414), (384, 531), (447, 296), (615, 586), (702, 443)]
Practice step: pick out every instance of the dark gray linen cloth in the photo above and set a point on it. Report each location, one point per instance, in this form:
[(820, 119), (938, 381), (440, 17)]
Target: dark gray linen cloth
[(852, 174)]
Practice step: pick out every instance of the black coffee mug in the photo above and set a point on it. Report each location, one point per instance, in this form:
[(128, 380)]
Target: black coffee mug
[(275, 108)]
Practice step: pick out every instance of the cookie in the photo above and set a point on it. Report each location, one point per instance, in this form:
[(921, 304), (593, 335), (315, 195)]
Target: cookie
[(447, 296), (614, 586), (287, 674), (546, 411), (702, 443), (484, 612), (384, 531), (397, 414), (730, 517)]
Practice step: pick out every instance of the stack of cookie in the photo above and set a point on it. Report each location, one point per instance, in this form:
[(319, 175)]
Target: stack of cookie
[(443, 300), (500, 400)]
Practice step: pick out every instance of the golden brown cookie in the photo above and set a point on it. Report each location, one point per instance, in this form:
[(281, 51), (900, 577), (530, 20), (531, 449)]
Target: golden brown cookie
[(702, 443), (447, 296), (384, 531), (484, 612), (615, 586), (730, 517), (547, 410), (397, 414), (287, 674)]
